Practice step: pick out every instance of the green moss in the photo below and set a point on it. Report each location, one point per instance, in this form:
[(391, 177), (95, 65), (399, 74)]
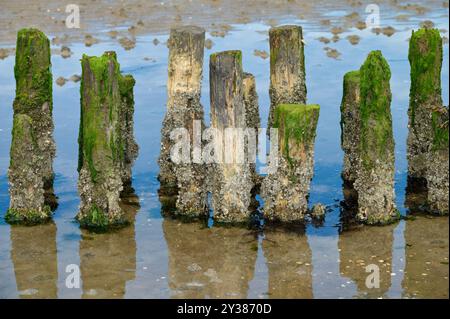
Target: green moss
[(298, 122), (425, 58), (100, 103), (32, 71), (28, 217), (439, 123), (98, 221), (376, 140)]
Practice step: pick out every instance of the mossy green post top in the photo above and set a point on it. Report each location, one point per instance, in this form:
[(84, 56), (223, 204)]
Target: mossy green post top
[(376, 123), (32, 71), (297, 125)]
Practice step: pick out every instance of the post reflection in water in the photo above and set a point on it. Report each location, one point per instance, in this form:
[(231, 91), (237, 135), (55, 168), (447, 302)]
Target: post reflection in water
[(33, 253), (426, 270), (289, 262), (216, 262), (108, 260), (365, 246)]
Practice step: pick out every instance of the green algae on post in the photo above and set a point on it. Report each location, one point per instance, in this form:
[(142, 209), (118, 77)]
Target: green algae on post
[(130, 148), (285, 190), (287, 67), (100, 143), (183, 186), (375, 176), (32, 149)]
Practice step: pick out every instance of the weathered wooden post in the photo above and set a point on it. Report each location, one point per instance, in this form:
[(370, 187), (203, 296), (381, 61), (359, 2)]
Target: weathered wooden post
[(130, 147), (437, 175), (285, 190), (425, 58), (184, 182), (33, 148), (350, 125), (375, 176), (287, 67), (253, 122), (428, 121), (232, 176), (34, 256), (101, 145)]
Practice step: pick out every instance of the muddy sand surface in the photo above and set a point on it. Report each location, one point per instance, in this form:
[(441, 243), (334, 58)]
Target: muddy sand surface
[(123, 20)]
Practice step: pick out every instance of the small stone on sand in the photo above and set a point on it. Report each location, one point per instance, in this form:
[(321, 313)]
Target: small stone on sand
[(332, 53), (353, 39), (127, 43), (61, 81), (65, 52), (361, 25), (261, 53), (75, 78), (89, 40)]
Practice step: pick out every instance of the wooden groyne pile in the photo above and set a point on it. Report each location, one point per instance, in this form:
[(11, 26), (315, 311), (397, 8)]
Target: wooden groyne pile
[(33, 149), (106, 144)]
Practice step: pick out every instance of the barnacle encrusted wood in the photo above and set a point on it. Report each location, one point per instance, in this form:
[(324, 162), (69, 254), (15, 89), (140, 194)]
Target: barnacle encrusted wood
[(183, 186), (287, 67), (33, 148), (285, 189)]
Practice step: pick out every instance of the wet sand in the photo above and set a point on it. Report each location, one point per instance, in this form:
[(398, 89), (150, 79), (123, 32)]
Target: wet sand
[(126, 19)]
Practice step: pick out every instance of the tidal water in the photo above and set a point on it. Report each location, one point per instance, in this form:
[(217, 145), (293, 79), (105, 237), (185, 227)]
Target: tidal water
[(165, 258)]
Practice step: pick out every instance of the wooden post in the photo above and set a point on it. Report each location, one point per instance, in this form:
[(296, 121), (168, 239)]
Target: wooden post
[(285, 191), (287, 67), (101, 144), (183, 184), (375, 177), (428, 123), (350, 123), (232, 176), (425, 58), (131, 149), (253, 122), (33, 148), (437, 175)]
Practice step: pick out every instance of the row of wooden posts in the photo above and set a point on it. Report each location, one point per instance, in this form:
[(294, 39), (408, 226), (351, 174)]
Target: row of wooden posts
[(107, 148)]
